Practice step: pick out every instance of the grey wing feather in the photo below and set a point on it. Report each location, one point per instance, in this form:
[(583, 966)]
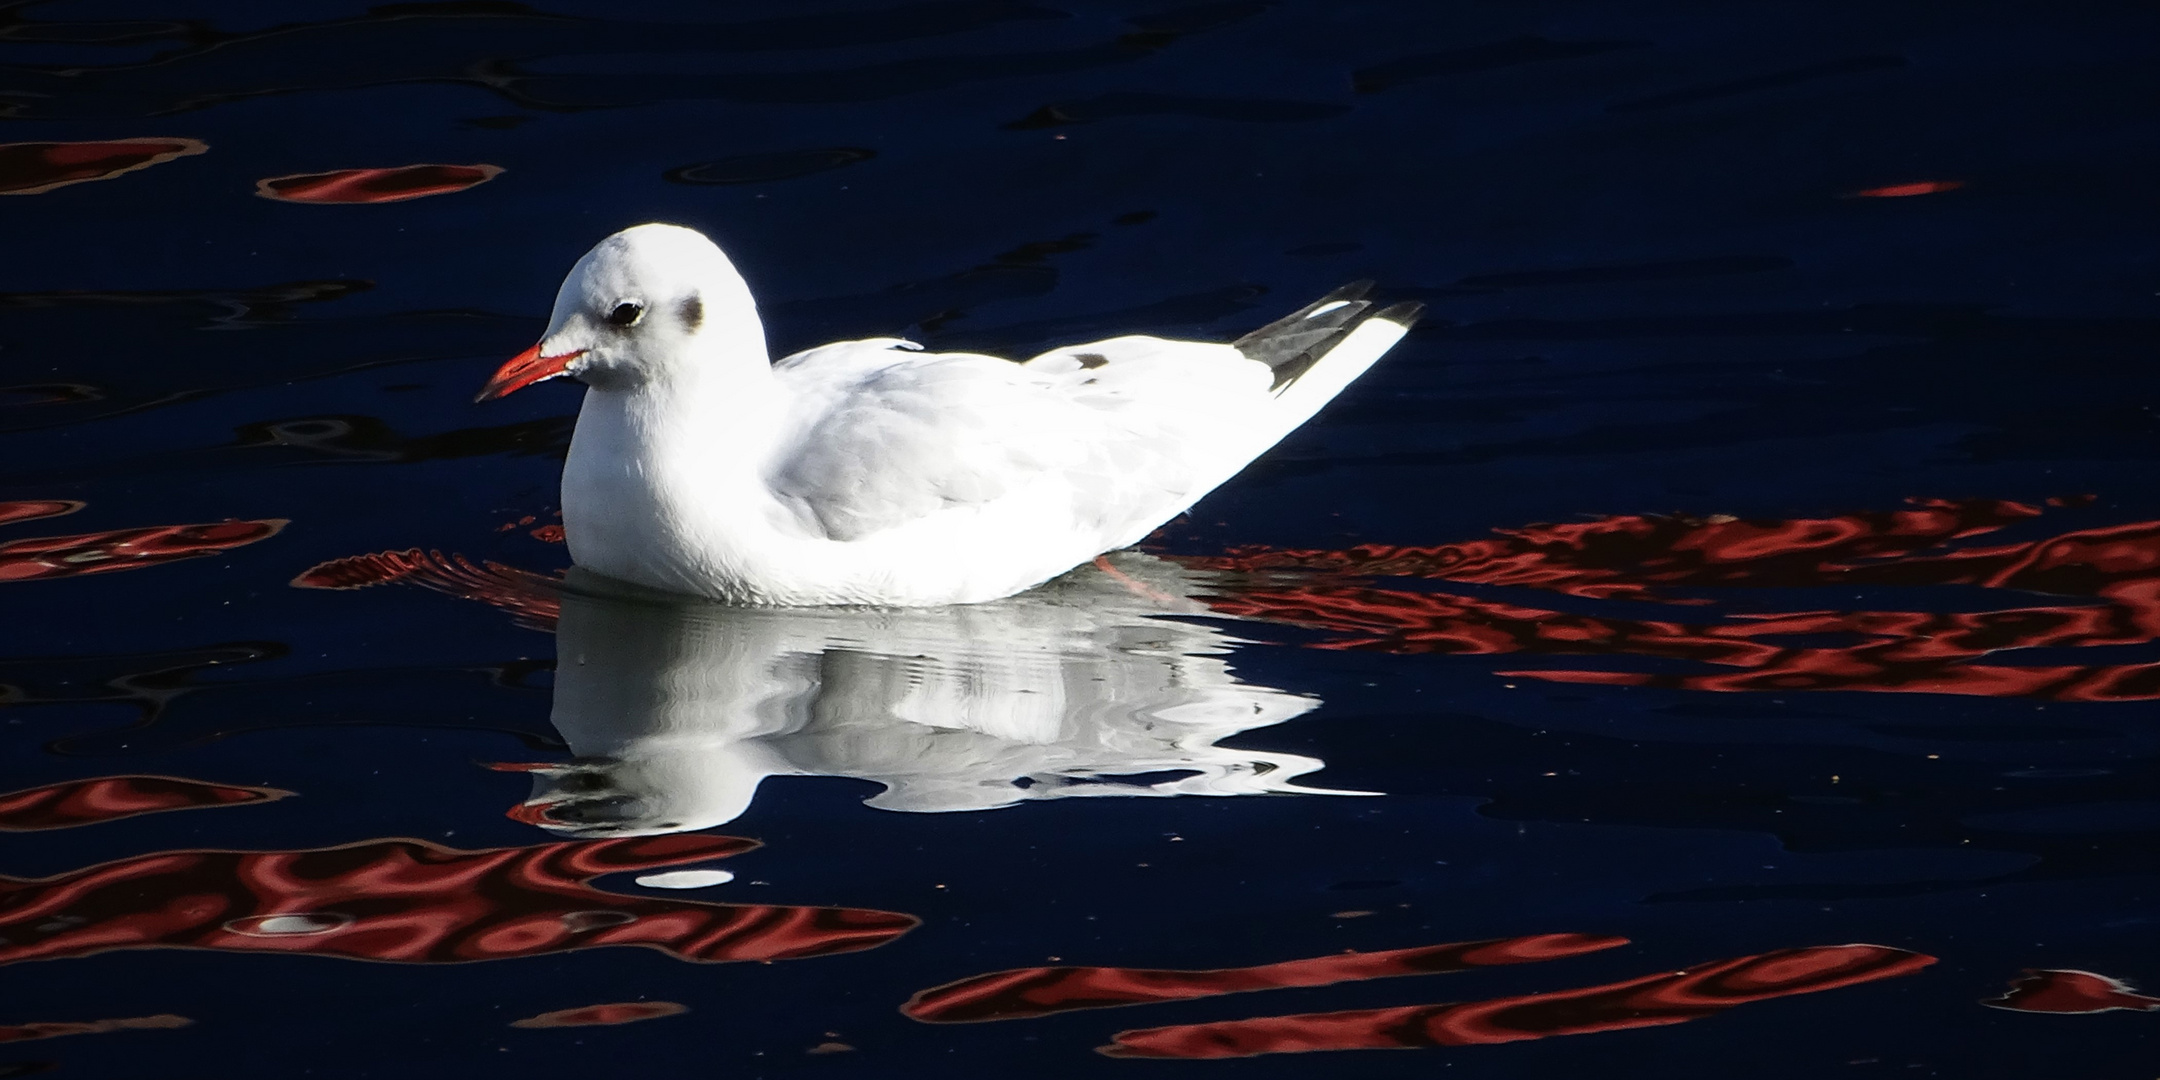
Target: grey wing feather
[(1290, 346)]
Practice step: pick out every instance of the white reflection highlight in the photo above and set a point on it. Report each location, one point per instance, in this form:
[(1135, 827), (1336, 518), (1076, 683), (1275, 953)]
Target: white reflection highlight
[(677, 709)]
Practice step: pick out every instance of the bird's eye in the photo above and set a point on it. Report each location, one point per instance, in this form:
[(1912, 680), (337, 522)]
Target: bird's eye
[(626, 313)]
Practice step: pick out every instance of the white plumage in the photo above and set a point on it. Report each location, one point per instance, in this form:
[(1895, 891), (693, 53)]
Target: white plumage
[(870, 472)]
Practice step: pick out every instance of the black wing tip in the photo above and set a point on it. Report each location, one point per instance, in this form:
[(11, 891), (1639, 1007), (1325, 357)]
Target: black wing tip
[(1355, 290), (1288, 371), (1291, 345), (1405, 314)]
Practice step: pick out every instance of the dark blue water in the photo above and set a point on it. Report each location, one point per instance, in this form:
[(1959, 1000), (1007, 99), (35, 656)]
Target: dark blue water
[(1655, 287)]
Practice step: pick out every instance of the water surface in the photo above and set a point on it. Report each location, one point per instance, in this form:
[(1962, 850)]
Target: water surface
[(1721, 638)]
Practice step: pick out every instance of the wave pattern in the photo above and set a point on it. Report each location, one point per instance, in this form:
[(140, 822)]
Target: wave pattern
[(2113, 571), (1633, 556), (53, 1029), (33, 168), (410, 901), (1042, 991), (110, 798), (1650, 1001), (375, 185), (613, 1013), (33, 509), (42, 557), (533, 600), (2062, 990)]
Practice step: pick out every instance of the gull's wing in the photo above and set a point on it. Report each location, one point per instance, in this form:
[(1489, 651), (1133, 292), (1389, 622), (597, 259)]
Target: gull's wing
[(1114, 437), (1107, 432)]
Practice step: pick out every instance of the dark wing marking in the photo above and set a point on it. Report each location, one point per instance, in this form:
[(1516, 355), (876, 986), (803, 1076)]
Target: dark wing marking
[(1405, 315), (1291, 345)]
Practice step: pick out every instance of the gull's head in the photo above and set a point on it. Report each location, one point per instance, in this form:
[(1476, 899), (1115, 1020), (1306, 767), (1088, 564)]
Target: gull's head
[(642, 305)]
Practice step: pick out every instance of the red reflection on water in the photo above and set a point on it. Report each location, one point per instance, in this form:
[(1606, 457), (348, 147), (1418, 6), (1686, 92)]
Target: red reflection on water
[(375, 185), (2059, 990), (1630, 557), (40, 557), (532, 599), (411, 901), (2114, 571), (1041, 991), (110, 798), (1901, 191), (1634, 558), (33, 509), (29, 168), (621, 1012), (1650, 1001), (52, 1029)]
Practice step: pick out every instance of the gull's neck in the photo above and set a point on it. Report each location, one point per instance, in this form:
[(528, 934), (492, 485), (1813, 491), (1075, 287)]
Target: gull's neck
[(666, 481)]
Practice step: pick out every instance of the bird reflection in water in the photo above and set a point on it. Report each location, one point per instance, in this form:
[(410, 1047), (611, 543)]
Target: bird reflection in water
[(1083, 687), (677, 710)]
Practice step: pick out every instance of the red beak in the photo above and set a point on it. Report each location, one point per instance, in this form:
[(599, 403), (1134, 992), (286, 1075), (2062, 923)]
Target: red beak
[(523, 370)]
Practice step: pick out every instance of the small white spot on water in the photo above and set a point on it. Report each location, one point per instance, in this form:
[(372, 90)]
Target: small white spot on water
[(581, 922), (686, 879), (291, 924)]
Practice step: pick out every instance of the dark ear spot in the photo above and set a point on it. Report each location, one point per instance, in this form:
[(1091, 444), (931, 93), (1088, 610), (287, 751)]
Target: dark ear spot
[(693, 312)]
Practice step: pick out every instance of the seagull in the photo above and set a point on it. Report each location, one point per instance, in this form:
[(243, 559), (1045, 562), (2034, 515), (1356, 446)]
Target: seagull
[(874, 473)]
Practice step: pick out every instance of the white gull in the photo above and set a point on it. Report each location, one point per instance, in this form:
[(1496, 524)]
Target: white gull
[(871, 472)]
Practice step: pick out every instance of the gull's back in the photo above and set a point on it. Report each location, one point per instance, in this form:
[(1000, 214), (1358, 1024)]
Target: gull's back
[(1080, 450)]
